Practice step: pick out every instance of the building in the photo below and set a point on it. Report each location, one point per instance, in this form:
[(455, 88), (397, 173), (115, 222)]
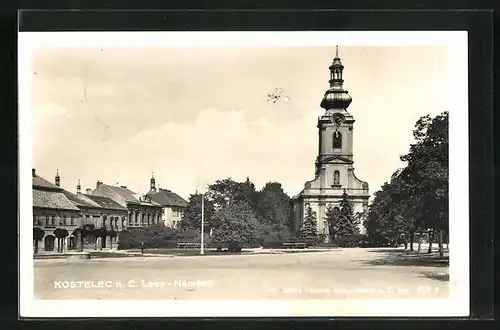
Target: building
[(141, 212), (173, 205), (334, 168), (98, 212), (52, 210)]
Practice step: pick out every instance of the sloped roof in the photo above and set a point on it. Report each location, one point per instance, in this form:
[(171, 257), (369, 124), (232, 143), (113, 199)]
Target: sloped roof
[(126, 193), (79, 201), (166, 197), (52, 200), (105, 202), (41, 183)]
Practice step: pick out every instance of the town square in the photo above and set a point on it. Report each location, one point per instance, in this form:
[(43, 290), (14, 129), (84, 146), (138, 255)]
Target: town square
[(377, 273)]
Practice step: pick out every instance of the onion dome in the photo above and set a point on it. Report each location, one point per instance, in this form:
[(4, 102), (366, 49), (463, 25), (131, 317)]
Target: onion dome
[(336, 97)]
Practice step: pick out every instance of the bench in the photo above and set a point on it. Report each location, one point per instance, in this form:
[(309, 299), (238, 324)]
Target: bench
[(189, 245), (294, 245)]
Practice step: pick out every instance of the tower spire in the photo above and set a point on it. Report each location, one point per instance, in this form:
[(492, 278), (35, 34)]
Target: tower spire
[(336, 97), (57, 178), (152, 182)]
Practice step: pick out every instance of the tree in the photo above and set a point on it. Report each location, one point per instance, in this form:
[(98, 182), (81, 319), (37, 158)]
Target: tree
[(415, 200), (235, 225), (60, 234), (38, 235), (112, 234), (346, 228), (102, 233), (332, 216), (225, 192), (78, 233), (427, 172), (191, 218), (309, 229), (273, 205)]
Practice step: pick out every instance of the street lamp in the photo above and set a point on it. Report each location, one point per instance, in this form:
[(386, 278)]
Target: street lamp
[(202, 249)]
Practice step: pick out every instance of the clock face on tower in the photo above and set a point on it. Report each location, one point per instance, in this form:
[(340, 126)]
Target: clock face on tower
[(337, 119)]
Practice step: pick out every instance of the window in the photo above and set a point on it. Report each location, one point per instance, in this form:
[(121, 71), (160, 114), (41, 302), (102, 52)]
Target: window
[(72, 221), (62, 221), (46, 220), (337, 74), (337, 140), (53, 220)]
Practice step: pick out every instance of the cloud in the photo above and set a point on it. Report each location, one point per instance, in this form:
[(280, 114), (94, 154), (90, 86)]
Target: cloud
[(223, 144)]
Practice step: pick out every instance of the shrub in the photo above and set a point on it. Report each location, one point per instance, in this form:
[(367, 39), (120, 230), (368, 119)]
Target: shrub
[(156, 236)]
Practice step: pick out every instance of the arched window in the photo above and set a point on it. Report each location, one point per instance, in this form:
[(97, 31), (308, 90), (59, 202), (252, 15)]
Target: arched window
[(337, 140), (336, 178)]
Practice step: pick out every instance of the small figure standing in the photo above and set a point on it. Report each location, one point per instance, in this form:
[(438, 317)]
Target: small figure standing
[(142, 247)]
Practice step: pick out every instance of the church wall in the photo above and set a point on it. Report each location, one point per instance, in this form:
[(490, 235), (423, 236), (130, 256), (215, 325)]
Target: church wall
[(316, 206), (343, 175)]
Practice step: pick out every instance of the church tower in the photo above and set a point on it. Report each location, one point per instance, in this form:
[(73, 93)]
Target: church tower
[(334, 167), (335, 155)]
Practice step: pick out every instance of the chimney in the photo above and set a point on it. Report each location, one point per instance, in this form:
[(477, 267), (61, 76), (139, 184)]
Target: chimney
[(78, 188), (33, 172), (98, 183), (88, 191), (124, 187)]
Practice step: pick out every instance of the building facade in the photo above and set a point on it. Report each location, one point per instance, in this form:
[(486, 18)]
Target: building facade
[(52, 210), (334, 167), (141, 212), (98, 212), (173, 205)]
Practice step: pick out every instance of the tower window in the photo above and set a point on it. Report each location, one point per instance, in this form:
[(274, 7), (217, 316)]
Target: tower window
[(337, 140)]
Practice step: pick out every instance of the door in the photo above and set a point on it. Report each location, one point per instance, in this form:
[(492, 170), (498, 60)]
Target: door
[(49, 243)]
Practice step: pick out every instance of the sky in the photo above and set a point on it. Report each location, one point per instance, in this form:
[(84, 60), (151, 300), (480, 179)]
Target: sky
[(196, 114)]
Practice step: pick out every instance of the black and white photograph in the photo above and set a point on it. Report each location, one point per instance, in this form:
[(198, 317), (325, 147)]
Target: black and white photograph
[(174, 174)]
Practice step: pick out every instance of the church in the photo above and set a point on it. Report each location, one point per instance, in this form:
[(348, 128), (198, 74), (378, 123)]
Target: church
[(334, 168)]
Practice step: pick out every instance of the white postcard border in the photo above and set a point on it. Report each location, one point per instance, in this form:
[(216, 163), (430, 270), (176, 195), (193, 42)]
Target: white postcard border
[(456, 305)]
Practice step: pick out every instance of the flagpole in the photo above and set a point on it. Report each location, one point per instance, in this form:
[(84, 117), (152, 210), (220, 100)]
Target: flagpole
[(202, 250)]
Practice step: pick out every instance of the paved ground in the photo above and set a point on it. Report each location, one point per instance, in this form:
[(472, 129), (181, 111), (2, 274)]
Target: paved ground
[(343, 273)]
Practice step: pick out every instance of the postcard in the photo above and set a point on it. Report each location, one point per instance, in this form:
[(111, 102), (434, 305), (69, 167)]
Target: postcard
[(174, 174)]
